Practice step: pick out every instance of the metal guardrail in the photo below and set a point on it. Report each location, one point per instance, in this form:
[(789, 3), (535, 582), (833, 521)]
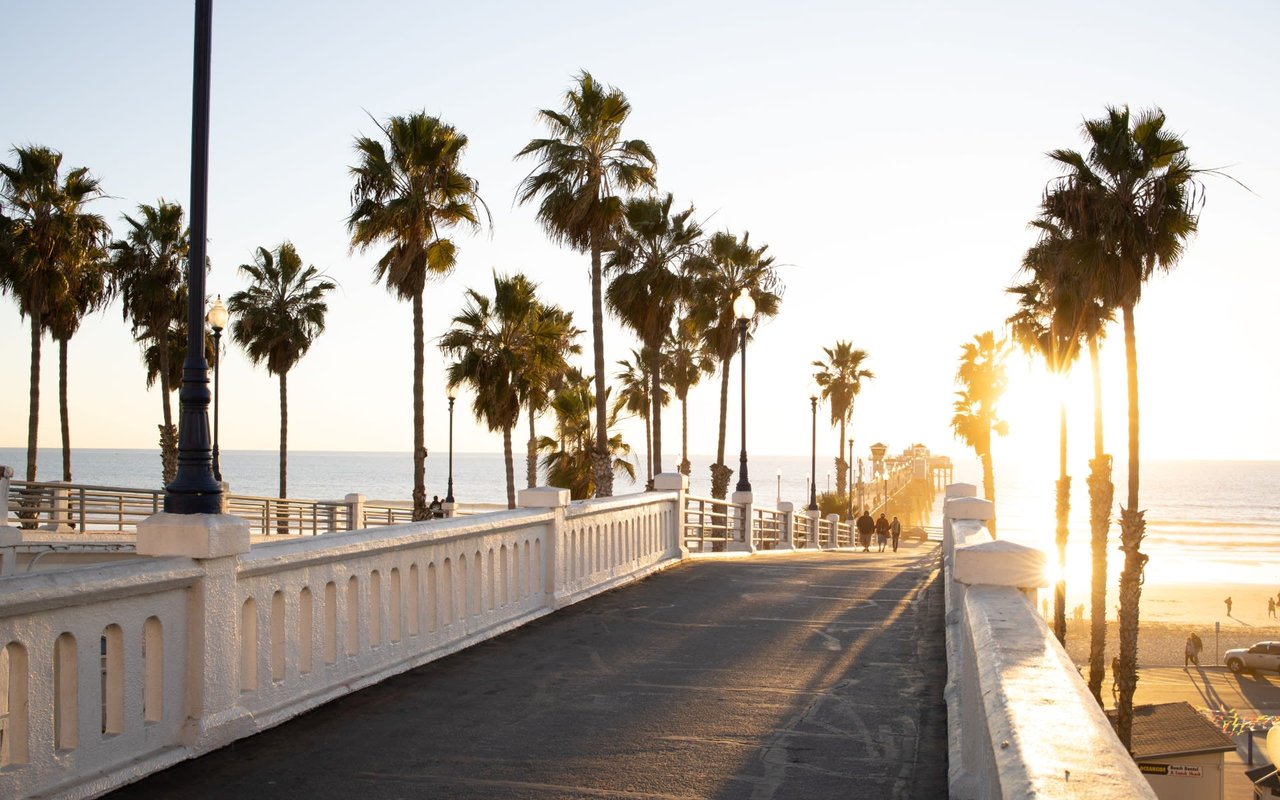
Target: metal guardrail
[(707, 520)]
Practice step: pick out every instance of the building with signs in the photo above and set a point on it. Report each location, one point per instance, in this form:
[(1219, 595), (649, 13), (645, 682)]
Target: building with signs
[(1179, 752)]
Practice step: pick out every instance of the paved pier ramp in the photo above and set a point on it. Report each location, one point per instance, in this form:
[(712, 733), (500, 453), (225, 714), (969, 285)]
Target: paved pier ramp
[(808, 675)]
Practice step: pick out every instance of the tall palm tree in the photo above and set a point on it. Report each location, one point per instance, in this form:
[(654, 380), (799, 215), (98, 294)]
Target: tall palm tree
[(647, 258), (728, 265), (148, 270), (1061, 259), (1052, 331), (569, 455), (407, 191), (840, 379), (686, 358), (88, 290), (46, 221), (982, 381), (491, 341), (277, 319), (634, 385), (546, 364), (580, 170), (1138, 190)]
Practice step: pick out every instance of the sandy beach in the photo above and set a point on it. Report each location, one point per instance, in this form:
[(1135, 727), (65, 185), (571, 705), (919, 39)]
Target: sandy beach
[(1170, 612)]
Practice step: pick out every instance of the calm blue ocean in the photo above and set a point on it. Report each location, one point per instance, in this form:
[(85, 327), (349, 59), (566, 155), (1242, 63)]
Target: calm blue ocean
[(1208, 521)]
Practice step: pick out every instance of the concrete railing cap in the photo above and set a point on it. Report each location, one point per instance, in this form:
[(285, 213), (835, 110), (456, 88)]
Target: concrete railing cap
[(543, 497), (961, 490), (969, 508), (671, 481), (999, 563)]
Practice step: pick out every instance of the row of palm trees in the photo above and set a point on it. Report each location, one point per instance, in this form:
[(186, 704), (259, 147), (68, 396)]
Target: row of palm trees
[(594, 190), (60, 263), (1121, 211)]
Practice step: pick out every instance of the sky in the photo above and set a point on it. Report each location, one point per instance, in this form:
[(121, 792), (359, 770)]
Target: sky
[(890, 155)]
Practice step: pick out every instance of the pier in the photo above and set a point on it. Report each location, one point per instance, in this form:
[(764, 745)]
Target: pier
[(650, 645)]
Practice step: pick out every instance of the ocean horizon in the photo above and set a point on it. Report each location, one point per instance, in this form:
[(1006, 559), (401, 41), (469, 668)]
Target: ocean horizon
[(1207, 521)]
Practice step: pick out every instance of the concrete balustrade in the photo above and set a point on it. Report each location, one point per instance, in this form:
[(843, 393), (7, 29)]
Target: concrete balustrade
[(1021, 722), (113, 671)]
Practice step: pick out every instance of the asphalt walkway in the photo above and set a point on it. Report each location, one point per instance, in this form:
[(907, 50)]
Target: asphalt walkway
[(814, 675)]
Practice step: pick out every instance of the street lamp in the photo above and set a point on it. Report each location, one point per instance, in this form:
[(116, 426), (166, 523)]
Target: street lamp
[(194, 490), (813, 457), (744, 309), (217, 319), (779, 497), (452, 391)]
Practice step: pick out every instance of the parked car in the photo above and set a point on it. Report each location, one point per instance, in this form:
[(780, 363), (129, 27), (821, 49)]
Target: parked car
[(1262, 656)]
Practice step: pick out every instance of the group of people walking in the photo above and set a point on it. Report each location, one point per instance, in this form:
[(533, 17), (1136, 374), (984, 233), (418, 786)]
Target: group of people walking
[(883, 529)]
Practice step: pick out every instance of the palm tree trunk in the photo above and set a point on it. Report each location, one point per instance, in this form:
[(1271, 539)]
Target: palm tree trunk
[(419, 441), (168, 437), (648, 440), (63, 411), (284, 434), (531, 456), (1100, 495), (282, 521), (510, 464), (989, 486), (1063, 509), (655, 392), (600, 457), (840, 464), (33, 414), (720, 473), (1132, 528), (685, 467)]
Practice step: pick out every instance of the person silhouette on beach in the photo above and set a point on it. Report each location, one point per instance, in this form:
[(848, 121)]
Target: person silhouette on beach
[(1115, 675), (1271, 608), (1228, 602)]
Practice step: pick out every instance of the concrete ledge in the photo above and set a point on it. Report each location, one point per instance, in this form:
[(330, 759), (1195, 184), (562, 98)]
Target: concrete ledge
[(193, 535), (671, 482), (543, 497), (958, 508), (999, 563)]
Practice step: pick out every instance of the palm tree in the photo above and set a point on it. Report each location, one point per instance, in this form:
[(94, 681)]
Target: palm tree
[(580, 169), (491, 340), (88, 290), (981, 376), (840, 380), (406, 193), (635, 384), (1061, 260), (569, 455), (1052, 331), (554, 339), (148, 270), (277, 319), (1139, 192), (45, 225), (686, 358), (727, 266), (647, 257)]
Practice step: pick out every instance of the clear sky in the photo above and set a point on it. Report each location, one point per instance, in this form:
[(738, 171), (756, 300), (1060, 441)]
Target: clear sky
[(890, 154)]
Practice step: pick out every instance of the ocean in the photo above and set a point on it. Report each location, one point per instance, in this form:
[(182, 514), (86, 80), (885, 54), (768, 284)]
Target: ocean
[(1207, 521)]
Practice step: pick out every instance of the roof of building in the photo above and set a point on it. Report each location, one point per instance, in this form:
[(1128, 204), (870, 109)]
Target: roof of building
[(1168, 729), (1264, 776)]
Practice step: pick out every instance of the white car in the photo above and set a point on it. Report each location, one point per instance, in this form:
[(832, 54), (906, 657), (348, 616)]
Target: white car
[(1263, 656)]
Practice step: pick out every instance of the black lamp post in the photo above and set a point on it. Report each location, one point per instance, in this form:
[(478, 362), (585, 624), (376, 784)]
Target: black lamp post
[(452, 391), (744, 308), (813, 457), (217, 319), (194, 489)]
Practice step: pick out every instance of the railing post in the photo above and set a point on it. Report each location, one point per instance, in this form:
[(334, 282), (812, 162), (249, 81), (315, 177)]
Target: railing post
[(355, 518), (787, 535), (833, 526), (678, 483), (556, 501), (748, 541), (59, 508), (815, 529), (10, 537)]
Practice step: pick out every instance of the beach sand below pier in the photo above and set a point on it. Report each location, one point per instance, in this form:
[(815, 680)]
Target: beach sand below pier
[(1170, 612)]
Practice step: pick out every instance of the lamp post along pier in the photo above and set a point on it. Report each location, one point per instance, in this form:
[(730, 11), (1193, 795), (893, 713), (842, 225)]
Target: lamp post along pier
[(217, 319), (744, 309), (453, 395), (813, 457)]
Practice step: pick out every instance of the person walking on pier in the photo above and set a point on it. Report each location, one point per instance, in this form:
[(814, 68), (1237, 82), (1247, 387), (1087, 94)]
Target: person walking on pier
[(895, 530), (882, 532), (866, 525)]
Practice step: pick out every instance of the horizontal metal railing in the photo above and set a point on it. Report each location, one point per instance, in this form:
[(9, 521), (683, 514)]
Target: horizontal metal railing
[(710, 521), (769, 527)]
